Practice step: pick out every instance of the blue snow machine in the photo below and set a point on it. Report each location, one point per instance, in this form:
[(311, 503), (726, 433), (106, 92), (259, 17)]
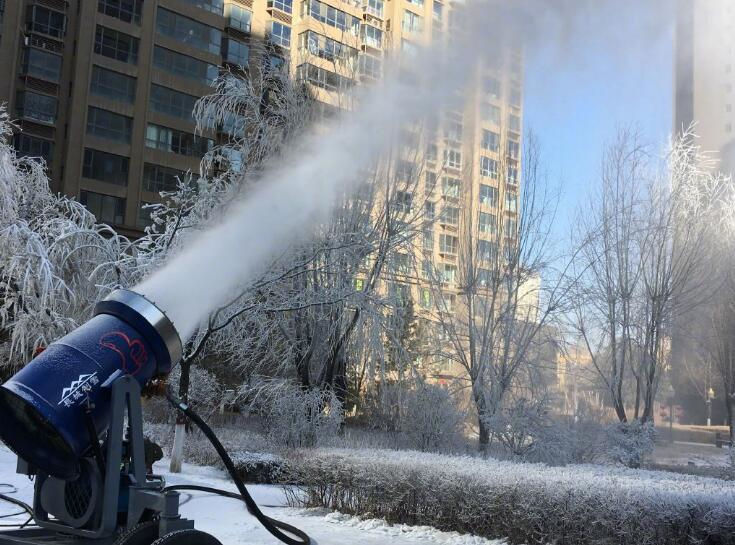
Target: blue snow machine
[(73, 417)]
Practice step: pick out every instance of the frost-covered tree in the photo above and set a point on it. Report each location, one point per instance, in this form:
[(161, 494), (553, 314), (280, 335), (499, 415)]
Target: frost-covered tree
[(56, 261), (645, 260), (503, 289)]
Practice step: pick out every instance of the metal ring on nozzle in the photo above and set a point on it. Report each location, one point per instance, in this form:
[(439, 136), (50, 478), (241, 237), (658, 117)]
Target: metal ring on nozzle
[(143, 314)]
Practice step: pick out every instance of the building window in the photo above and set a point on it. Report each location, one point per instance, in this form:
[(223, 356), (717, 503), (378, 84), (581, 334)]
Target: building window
[(429, 211), (412, 22), (280, 34), (514, 149), (426, 299), (106, 167), (238, 17), (514, 122), (426, 268), (487, 223), (157, 178), (511, 227), (37, 107), (370, 66), (450, 215), (488, 167), (330, 16), (492, 87), (515, 96), (430, 183), (486, 250), (171, 140), (448, 244), (188, 31), (513, 175), (491, 113), (46, 21), (452, 158), (327, 48), (109, 125), (30, 146), (401, 263), (116, 45), (112, 85), (453, 130), (403, 202), (42, 64), (450, 187), (490, 140), (174, 103), (125, 10), (213, 6), (283, 5), (235, 52), (359, 284), (322, 78), (106, 208), (488, 195), (371, 36), (438, 11), (184, 66), (511, 201), (448, 273), (374, 8), (418, 3)]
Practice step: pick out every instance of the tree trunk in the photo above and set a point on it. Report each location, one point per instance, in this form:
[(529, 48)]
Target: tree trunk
[(484, 434), (177, 451)]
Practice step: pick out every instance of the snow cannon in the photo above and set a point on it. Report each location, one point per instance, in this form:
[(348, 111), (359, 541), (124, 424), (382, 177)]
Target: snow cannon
[(73, 416), (50, 406)]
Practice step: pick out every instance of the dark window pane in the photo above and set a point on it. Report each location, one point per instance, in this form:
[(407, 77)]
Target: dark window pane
[(112, 85), (157, 178), (184, 66), (188, 31), (42, 64), (37, 107), (125, 10), (106, 208), (106, 167), (109, 125), (30, 146), (116, 45)]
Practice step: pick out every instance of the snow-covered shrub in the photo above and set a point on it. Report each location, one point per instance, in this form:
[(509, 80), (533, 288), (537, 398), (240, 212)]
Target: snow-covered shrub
[(431, 420), (521, 426), (527, 503), (302, 418), (630, 442)]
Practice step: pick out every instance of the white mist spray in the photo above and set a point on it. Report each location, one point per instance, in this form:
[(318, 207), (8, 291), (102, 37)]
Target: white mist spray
[(293, 196)]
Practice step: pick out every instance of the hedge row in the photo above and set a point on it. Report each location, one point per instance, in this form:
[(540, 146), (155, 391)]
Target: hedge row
[(525, 503)]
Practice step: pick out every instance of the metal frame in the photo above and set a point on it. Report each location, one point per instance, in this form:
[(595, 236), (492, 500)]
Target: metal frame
[(144, 493)]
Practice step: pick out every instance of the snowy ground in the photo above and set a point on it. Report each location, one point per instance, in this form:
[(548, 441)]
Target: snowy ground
[(229, 521)]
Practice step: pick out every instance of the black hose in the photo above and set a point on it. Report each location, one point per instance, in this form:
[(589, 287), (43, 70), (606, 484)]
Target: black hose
[(26, 509), (275, 527)]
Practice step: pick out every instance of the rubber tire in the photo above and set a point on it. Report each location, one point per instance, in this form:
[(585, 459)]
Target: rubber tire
[(144, 533), (187, 537)]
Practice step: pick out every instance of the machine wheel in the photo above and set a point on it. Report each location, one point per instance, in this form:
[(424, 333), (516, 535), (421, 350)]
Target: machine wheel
[(187, 537), (144, 533)]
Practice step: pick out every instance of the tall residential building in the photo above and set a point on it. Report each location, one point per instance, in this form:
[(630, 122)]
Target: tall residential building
[(704, 75), (103, 90), (704, 93)]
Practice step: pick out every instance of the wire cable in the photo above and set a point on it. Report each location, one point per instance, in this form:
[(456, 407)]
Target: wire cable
[(26, 508), (277, 528)]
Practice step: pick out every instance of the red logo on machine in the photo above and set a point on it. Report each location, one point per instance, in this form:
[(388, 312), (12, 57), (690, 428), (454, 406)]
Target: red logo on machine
[(132, 352)]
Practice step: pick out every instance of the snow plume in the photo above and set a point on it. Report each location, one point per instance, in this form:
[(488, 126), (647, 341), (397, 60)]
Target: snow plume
[(298, 192)]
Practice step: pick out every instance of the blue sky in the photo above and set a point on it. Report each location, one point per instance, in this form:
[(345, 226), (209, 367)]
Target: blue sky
[(615, 69)]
